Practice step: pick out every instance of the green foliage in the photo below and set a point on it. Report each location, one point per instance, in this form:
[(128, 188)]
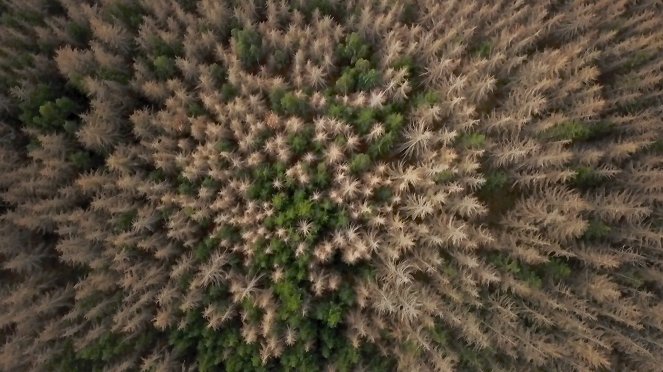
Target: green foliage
[(346, 82), (248, 44), (471, 140), (636, 60), (406, 62), (57, 110), (410, 13), (383, 146), (300, 142), (340, 111), (366, 77), (322, 176), (340, 140), (394, 122), (497, 194), (483, 50), (292, 204), (71, 127), (108, 346), (444, 177), (102, 352), (287, 103), (129, 13), (440, 335), (279, 201), (34, 144), (261, 187), (67, 360), (495, 180), (383, 195), (587, 177), (123, 221), (228, 92), (354, 48), (366, 117), (363, 121), (553, 271), (324, 7), (291, 298), (230, 234), (42, 110), (164, 67), (427, 98), (20, 17), (519, 270), (631, 276), (368, 80), (600, 130), (214, 348), (54, 115), (280, 59), (474, 360), (657, 147), (79, 33), (632, 106), (188, 5), (292, 105), (361, 76), (81, 159), (218, 72), (340, 220), (531, 278), (360, 163), (571, 130), (195, 109), (556, 269), (204, 249), (226, 145), (224, 349), (275, 97), (210, 183), (577, 131), (17, 61), (159, 47), (119, 76), (298, 359), (76, 83), (157, 176), (596, 230), (261, 138), (331, 310), (186, 187)]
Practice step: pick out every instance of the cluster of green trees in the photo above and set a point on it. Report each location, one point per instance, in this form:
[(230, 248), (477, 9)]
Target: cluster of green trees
[(320, 333)]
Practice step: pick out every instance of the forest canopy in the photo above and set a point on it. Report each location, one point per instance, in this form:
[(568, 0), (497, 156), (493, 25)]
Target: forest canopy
[(266, 185)]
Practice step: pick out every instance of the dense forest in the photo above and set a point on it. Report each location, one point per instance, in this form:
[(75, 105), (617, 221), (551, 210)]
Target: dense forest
[(361, 185)]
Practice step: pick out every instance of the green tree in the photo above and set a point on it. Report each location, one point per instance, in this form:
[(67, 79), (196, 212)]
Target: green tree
[(164, 67), (360, 163), (248, 44)]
